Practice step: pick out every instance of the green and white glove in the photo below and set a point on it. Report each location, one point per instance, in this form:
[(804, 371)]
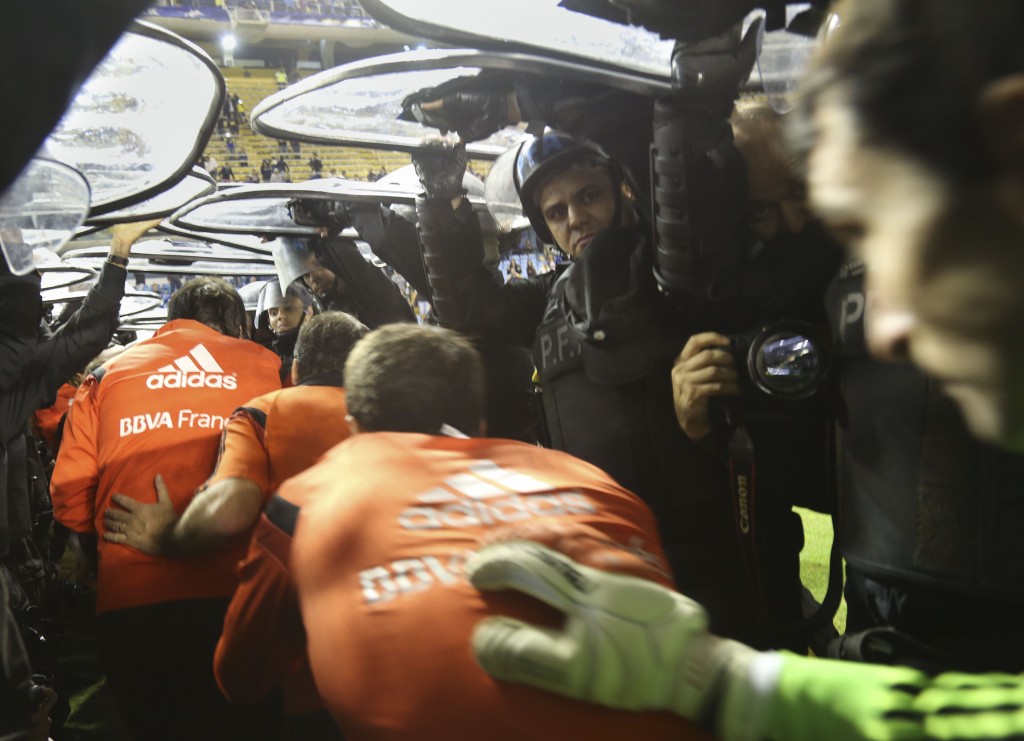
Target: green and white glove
[(628, 643), (973, 706), (631, 644), (818, 699)]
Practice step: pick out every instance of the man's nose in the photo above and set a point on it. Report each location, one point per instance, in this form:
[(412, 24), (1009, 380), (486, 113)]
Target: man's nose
[(888, 328), (574, 216)]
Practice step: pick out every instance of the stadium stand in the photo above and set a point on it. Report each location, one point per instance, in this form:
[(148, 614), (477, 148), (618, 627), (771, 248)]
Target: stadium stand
[(251, 148)]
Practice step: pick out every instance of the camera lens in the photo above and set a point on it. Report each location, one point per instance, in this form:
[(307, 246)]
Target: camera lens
[(786, 362)]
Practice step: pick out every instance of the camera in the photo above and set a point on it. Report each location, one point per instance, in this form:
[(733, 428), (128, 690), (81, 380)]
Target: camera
[(784, 360)]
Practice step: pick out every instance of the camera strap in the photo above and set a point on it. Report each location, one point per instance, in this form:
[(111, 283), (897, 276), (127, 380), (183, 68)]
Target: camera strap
[(743, 485)]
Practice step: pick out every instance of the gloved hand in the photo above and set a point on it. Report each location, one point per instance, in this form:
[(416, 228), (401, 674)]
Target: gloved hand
[(331, 216), (441, 167), (818, 699), (475, 107), (718, 65), (959, 705), (628, 643)]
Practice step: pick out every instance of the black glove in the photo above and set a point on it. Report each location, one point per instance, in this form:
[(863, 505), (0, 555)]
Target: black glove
[(475, 107), (332, 215), (718, 65), (441, 167)]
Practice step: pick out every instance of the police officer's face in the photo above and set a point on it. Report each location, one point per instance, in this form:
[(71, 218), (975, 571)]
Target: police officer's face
[(945, 267), (320, 281), (286, 318), (577, 204)]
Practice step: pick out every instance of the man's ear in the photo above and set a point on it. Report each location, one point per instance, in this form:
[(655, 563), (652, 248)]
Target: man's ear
[(1000, 111), (353, 424)]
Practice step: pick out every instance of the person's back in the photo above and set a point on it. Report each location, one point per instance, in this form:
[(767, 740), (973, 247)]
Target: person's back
[(168, 396), (270, 439), (158, 410), (378, 556), (277, 436), (302, 422), (389, 517)]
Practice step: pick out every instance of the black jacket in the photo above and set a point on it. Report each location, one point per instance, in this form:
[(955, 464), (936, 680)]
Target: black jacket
[(35, 362), (376, 299)]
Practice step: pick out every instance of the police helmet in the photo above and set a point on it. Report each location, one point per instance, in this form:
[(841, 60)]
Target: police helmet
[(272, 297), (544, 156), (250, 294)]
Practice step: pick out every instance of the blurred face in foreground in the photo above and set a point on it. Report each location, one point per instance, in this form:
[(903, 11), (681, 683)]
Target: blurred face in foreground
[(945, 263)]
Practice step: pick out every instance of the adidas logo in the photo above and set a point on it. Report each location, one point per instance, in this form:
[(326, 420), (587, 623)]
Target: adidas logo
[(486, 495), (195, 370)]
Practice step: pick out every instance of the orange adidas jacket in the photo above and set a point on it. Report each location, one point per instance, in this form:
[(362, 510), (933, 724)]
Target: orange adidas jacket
[(46, 421), (377, 559), (271, 439), (157, 408), (279, 434)]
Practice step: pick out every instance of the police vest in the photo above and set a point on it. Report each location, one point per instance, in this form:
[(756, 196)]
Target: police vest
[(608, 400), (601, 382), (922, 500)]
